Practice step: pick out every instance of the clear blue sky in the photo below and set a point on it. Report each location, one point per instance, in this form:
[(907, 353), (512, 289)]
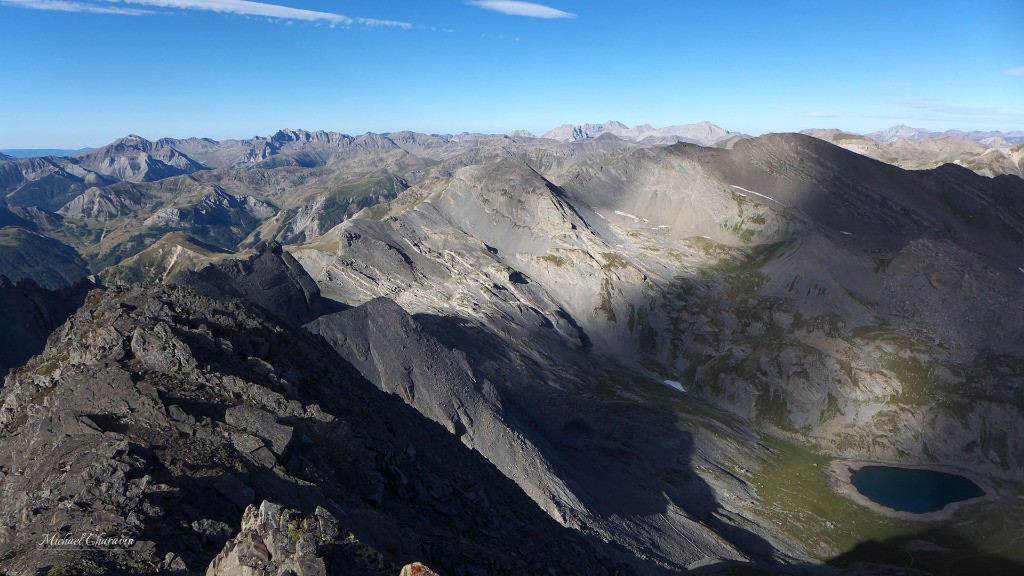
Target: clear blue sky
[(84, 72)]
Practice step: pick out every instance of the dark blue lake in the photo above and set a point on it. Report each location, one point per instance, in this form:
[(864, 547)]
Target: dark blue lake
[(910, 490)]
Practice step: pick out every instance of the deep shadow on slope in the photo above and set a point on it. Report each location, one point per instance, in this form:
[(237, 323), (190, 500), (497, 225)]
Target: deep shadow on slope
[(880, 205), (28, 314), (623, 459), (941, 551)]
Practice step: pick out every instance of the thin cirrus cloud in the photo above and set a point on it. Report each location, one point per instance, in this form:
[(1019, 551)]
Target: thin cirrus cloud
[(63, 6), (239, 7), (516, 8), (937, 109)]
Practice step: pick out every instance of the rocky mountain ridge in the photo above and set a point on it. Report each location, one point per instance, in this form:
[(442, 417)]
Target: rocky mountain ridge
[(176, 412), (919, 150), (661, 347)]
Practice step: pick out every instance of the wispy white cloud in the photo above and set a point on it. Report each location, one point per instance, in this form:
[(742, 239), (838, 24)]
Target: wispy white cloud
[(1015, 71), (930, 109), (517, 8), (63, 6), (824, 114), (934, 105), (240, 7), (247, 8), (501, 37)]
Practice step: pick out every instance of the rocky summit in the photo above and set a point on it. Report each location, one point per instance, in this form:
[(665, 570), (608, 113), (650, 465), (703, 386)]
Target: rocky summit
[(606, 350)]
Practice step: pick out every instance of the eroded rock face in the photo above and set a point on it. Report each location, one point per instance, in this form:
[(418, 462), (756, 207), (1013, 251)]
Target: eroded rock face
[(275, 541), (179, 422)]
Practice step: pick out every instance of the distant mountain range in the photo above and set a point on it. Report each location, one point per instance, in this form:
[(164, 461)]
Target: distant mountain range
[(703, 133), (992, 138), (987, 153)]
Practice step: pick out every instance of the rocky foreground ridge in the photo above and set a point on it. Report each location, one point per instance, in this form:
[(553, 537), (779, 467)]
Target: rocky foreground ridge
[(217, 438)]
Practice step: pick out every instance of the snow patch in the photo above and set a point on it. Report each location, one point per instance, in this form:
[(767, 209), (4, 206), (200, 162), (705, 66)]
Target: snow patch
[(674, 384), (626, 214), (756, 194), (845, 232)]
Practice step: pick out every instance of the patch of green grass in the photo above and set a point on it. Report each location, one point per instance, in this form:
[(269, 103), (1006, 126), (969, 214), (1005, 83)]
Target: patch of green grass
[(831, 408), (918, 383), (613, 261), (606, 300), (297, 529), (831, 324), (554, 260), (744, 234), (772, 406), (796, 497), (366, 556)]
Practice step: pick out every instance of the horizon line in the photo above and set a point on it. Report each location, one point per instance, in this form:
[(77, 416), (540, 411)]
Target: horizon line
[(466, 132)]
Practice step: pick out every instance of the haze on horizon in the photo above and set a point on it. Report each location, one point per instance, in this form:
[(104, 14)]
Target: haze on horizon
[(236, 68)]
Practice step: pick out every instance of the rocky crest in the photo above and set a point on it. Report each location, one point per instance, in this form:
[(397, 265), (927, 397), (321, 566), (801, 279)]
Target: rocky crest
[(160, 415), (269, 278)]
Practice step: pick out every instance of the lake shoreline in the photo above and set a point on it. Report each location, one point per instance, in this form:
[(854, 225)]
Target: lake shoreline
[(839, 474)]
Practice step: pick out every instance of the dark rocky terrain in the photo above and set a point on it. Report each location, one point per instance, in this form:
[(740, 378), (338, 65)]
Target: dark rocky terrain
[(29, 314), (161, 415), (663, 348)]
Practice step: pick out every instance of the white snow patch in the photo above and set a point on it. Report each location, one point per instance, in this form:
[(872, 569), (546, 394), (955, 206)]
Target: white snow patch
[(626, 214), (847, 233), (599, 216), (1021, 268), (674, 384), (756, 194)]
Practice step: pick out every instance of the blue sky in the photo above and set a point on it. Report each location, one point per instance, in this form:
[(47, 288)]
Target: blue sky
[(84, 72)]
